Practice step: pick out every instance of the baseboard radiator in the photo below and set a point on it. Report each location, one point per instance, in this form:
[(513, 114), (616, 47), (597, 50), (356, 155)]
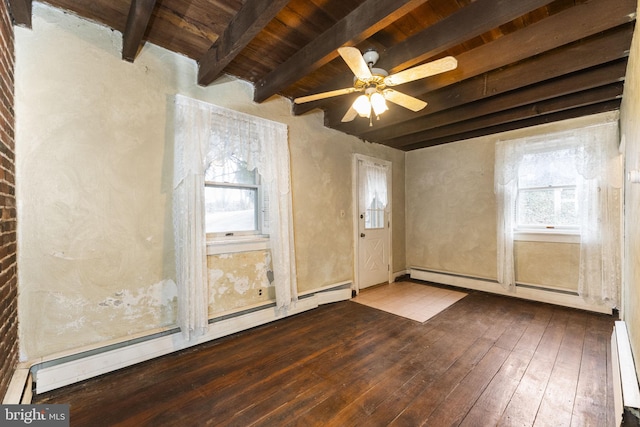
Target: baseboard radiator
[(70, 369), (626, 392), (521, 290)]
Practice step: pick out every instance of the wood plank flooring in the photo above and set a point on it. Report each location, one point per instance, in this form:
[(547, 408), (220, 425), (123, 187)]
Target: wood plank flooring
[(487, 360)]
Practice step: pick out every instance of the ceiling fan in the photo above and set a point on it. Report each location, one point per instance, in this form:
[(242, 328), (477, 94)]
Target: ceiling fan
[(375, 83)]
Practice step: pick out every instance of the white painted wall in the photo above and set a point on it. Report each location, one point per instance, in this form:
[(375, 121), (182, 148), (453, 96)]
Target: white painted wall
[(94, 164)]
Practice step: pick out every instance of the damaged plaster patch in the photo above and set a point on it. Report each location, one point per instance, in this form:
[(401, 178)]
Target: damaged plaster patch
[(213, 276), (240, 284), (238, 279), (135, 304), (75, 320), (72, 315)]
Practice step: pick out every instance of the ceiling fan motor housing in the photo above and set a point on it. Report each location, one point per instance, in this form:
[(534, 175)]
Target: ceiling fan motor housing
[(371, 56)]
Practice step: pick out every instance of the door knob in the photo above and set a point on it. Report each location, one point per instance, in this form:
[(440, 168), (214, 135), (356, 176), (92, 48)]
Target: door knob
[(361, 234)]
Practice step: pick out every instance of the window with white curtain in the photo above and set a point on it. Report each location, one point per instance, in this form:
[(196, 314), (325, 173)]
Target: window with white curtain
[(570, 180), (206, 138), (547, 188)]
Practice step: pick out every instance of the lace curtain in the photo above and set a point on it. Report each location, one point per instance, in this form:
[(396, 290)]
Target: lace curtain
[(200, 130), (598, 164), (375, 183)]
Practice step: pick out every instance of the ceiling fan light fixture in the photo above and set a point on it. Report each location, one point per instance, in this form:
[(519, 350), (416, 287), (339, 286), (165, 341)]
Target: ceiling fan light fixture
[(362, 106), (378, 103), (375, 83)]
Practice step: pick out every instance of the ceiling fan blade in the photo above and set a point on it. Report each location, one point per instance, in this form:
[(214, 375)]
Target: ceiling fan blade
[(403, 100), (324, 95), (350, 115), (447, 63), (355, 61)]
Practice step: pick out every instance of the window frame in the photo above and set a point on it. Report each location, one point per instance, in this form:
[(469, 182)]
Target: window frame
[(259, 212), (547, 232), (547, 228)]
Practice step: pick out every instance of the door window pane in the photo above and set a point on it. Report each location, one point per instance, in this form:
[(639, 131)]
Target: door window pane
[(374, 215)]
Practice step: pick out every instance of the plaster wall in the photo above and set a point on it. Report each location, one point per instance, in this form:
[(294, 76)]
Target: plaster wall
[(94, 168), (630, 132), (551, 264), (451, 211), (451, 214)]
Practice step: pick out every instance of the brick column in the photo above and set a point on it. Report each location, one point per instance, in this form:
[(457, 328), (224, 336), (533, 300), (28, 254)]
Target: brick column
[(8, 269)]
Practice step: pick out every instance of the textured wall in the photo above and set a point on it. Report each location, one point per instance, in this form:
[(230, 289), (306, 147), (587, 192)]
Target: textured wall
[(8, 271), (94, 174), (551, 264), (630, 126), (451, 213)]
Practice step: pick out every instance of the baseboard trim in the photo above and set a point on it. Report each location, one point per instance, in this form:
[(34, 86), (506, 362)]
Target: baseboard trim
[(19, 390), (490, 285), (62, 372), (626, 391), (400, 274)]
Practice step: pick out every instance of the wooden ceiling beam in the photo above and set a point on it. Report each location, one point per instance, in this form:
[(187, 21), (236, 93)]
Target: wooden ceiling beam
[(137, 21), (444, 108), (21, 12), (567, 102), (588, 53), (252, 17), (366, 20), (570, 84), (551, 33), (580, 21), (470, 21), (534, 121)]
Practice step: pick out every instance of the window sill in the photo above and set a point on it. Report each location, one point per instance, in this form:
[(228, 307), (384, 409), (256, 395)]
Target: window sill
[(239, 244), (552, 236)]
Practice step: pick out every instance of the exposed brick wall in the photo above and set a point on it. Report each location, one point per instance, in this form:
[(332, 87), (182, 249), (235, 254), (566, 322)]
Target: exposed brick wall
[(8, 269)]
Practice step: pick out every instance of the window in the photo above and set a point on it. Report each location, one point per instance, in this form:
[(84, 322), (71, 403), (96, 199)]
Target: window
[(374, 194), (546, 199), (374, 214), (569, 180), (234, 200)]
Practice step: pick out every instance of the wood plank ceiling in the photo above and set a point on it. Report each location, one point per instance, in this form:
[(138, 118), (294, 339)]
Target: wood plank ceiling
[(520, 63)]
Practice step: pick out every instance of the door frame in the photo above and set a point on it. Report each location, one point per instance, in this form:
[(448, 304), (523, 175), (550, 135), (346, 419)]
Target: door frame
[(356, 215)]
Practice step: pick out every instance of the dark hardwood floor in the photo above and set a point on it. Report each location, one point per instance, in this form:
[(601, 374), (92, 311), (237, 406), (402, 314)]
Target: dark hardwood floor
[(487, 360)]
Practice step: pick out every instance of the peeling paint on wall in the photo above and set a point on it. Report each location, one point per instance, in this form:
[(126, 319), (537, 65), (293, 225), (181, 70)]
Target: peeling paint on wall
[(74, 319), (238, 280)]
